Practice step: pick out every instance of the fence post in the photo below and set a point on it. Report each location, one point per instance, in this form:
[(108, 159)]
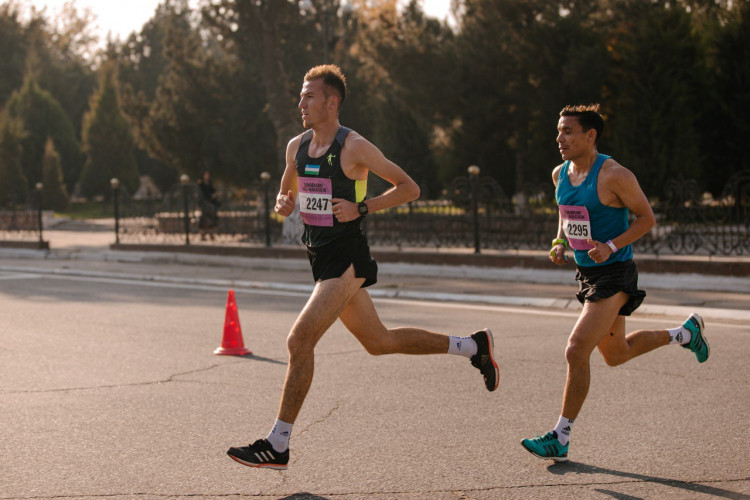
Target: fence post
[(265, 177), (115, 183), (185, 181), (474, 180), (39, 186)]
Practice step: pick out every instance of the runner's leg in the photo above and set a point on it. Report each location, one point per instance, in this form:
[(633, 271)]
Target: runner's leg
[(362, 320), (325, 304), (617, 348), (593, 324)]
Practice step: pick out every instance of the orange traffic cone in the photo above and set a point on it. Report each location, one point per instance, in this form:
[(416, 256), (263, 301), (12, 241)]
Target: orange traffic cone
[(231, 343)]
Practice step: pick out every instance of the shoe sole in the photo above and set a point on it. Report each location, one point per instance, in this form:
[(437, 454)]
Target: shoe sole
[(555, 459), (703, 327), (492, 358), (258, 466)]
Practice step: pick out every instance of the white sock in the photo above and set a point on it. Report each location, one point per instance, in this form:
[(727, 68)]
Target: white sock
[(463, 346), (679, 335), (563, 428), (279, 436)]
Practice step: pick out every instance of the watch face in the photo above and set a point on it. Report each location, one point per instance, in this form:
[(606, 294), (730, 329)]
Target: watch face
[(362, 209)]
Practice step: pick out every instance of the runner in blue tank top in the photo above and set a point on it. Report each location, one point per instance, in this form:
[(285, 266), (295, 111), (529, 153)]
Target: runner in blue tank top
[(326, 171), (595, 195)]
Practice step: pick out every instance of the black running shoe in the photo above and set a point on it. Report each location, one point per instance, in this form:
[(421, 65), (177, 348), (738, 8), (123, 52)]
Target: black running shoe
[(260, 454), (484, 359)]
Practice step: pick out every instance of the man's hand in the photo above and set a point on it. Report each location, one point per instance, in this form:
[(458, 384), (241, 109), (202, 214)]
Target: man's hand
[(284, 204), (344, 210), (601, 251), (557, 254)]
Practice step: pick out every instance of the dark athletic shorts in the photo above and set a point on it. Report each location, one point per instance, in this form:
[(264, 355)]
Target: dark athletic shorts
[(600, 282), (333, 259)]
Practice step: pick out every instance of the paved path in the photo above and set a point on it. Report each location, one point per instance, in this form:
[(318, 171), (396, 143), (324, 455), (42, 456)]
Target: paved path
[(109, 389)]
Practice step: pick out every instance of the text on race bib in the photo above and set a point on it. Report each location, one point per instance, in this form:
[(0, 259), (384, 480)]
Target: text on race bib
[(315, 201), (576, 225)]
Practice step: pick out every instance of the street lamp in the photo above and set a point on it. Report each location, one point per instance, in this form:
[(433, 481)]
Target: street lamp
[(474, 179), (264, 178), (114, 182), (185, 181), (39, 186)]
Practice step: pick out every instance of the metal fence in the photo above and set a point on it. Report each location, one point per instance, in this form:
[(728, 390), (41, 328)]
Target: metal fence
[(474, 212)]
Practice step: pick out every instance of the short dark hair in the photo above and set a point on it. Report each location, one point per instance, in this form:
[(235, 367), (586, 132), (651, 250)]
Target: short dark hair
[(333, 79), (588, 116)]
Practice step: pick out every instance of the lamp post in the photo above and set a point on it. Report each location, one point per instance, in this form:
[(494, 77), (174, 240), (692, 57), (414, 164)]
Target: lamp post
[(264, 178), (114, 182), (474, 179), (39, 186), (185, 181)]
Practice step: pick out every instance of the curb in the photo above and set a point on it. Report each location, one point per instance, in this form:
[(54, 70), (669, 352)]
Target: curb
[(300, 289)]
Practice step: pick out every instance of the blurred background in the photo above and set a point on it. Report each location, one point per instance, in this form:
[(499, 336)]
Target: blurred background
[(212, 85)]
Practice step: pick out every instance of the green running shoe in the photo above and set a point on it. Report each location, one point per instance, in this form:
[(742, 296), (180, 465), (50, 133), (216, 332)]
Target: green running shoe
[(698, 343), (547, 446)]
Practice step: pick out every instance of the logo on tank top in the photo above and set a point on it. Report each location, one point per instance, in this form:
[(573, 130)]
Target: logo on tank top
[(330, 159), (312, 169)]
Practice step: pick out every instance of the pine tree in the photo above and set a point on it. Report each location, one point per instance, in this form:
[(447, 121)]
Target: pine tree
[(13, 184), (54, 193), (43, 117), (107, 140)]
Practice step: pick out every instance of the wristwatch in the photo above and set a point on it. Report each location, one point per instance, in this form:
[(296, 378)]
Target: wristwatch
[(362, 207)]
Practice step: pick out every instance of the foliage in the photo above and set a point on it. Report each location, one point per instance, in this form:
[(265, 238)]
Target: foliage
[(54, 193), (12, 179), (216, 88), (107, 140), (43, 117)]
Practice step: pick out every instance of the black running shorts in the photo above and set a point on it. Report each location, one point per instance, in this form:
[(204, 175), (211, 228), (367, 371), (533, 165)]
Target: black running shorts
[(333, 259), (600, 282)]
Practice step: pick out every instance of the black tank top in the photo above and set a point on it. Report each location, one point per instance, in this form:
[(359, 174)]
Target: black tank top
[(320, 180)]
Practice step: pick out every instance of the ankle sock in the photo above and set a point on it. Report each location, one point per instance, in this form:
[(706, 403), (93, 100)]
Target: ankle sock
[(563, 428), (462, 346), (679, 335), (279, 435)]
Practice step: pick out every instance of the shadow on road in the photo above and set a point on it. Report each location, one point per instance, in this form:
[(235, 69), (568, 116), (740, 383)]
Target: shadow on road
[(579, 468), (303, 496), (261, 358)]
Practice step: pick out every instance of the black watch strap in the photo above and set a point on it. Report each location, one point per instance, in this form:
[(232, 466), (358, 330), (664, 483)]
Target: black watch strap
[(362, 207)]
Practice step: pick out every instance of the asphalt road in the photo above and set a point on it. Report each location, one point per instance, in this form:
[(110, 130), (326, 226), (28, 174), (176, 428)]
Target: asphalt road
[(109, 389)]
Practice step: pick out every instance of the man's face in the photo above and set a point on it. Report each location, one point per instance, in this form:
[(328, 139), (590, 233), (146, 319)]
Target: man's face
[(572, 141), (313, 103)]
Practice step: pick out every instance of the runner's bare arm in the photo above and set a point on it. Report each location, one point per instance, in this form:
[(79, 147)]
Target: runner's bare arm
[(557, 253), (623, 185), (288, 189), (360, 156)]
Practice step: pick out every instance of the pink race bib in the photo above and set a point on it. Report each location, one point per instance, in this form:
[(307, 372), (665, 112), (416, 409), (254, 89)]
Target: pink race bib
[(576, 225), (315, 201)]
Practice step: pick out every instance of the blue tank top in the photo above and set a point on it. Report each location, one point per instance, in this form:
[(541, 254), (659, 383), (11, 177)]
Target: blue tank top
[(606, 222)]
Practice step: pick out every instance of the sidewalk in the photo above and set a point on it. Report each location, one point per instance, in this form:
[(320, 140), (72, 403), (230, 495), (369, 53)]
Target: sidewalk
[(515, 279)]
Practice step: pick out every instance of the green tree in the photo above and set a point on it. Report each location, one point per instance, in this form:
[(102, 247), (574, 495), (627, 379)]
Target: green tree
[(107, 140), (208, 110), (654, 92), (15, 188), (518, 63), (725, 141), (13, 46), (54, 193), (43, 117)]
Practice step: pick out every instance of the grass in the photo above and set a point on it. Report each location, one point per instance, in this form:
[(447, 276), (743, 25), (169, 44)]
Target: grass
[(88, 210)]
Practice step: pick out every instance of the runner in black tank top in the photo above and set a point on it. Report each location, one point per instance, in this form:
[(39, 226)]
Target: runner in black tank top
[(321, 226), (332, 205)]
